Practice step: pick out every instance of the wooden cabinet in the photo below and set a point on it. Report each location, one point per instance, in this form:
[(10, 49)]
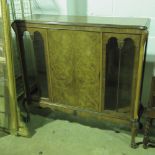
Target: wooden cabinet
[(93, 66)]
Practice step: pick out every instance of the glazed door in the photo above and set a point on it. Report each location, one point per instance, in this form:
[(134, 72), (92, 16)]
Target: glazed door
[(34, 58), (121, 66), (74, 58)]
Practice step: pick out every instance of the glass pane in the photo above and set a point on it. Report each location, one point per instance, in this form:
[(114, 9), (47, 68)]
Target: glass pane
[(39, 53), (119, 74), (29, 55), (112, 66), (35, 64), (126, 75)]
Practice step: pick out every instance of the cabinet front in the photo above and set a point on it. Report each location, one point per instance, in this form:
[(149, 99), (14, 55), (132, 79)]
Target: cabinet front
[(74, 59)]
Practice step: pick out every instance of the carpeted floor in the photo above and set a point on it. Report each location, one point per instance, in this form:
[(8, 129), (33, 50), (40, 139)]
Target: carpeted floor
[(58, 137)]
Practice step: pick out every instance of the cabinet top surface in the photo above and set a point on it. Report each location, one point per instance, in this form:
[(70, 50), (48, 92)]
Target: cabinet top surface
[(116, 22)]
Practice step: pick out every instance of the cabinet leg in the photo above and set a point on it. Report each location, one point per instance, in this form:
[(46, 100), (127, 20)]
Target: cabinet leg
[(134, 128)]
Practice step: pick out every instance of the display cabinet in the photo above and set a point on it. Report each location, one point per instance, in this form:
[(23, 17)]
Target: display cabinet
[(89, 65)]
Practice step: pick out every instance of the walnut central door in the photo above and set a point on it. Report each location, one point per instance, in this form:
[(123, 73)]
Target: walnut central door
[(74, 59)]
